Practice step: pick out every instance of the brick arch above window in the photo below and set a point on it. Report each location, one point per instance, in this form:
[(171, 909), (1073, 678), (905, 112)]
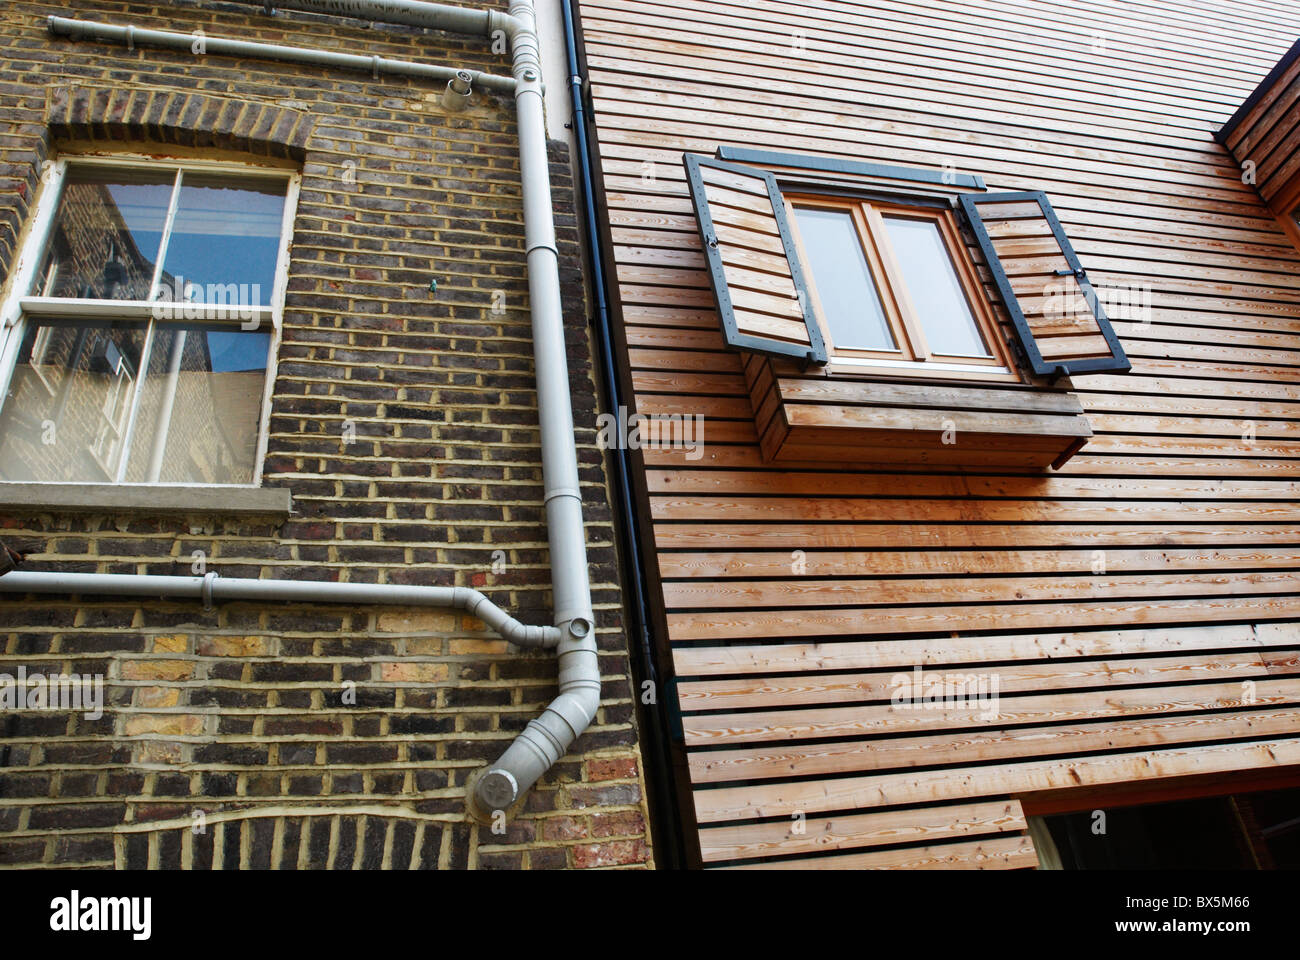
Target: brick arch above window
[(181, 117)]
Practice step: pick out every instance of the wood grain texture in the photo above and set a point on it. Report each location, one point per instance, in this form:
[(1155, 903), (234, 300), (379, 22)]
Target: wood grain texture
[(1138, 607), (1266, 139)]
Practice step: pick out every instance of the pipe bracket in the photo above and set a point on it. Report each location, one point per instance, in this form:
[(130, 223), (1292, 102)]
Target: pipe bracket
[(549, 247), (571, 492), (209, 581)]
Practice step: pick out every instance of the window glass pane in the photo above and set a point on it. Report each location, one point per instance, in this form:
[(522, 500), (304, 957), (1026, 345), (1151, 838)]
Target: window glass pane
[(200, 407), (844, 285), (92, 401), (106, 233), (937, 293), (66, 414), (225, 240)]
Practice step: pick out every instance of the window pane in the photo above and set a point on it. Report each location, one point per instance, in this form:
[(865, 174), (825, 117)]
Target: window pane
[(225, 240), (200, 407), (937, 294), (844, 286), (106, 234), (69, 401)]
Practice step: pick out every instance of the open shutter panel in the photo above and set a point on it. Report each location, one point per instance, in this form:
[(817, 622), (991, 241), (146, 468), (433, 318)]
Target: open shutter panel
[(759, 287), (1057, 315)]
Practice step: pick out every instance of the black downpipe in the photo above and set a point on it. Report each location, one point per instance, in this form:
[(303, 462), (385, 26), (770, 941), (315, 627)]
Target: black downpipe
[(666, 828)]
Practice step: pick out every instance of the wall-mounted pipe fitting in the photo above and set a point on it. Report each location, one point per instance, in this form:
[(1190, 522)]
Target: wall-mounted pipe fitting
[(549, 737), (223, 46), (412, 13), (456, 97), (212, 589)]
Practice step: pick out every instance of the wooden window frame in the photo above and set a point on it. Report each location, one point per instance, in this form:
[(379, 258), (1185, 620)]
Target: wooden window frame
[(914, 357)]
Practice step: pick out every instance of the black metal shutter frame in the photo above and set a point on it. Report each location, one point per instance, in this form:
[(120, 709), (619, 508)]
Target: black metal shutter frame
[(815, 350), (1117, 362)]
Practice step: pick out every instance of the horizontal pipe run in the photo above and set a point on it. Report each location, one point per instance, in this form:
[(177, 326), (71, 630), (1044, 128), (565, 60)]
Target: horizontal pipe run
[(213, 589), (199, 44), (546, 739), (413, 13)]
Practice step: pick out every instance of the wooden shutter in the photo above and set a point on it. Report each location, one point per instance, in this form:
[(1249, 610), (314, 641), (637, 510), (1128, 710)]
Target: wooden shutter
[(757, 281), (1057, 314)]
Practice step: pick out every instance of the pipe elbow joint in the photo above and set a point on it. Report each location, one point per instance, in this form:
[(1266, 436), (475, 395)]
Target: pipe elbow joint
[(524, 635), (507, 23), (520, 634), (577, 707), (539, 747)]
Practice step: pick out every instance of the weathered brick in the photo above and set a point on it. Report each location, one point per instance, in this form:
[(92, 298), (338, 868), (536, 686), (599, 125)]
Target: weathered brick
[(614, 853), (548, 858), (625, 824), (232, 647), (445, 469), (157, 696), (407, 672), (168, 724), (619, 768), (157, 670)]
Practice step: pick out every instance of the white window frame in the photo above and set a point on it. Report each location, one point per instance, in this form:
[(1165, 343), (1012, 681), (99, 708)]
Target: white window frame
[(113, 424), (41, 346), (18, 307)]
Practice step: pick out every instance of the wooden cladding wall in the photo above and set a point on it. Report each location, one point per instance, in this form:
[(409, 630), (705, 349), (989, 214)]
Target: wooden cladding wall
[(1264, 134), (1121, 603)]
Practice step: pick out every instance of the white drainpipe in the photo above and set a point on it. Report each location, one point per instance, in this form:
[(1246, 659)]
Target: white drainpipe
[(546, 739), (377, 67), (213, 588)]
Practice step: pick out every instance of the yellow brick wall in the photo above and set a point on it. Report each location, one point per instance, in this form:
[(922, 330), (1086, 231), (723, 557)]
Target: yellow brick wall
[(239, 713)]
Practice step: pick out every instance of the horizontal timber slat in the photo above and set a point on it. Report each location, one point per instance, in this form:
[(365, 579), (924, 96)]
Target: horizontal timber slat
[(822, 537), (777, 761), (856, 793), (951, 651), (999, 853), (864, 830)]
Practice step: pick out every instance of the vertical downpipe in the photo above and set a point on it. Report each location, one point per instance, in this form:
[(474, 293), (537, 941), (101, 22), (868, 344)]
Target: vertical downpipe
[(546, 739)]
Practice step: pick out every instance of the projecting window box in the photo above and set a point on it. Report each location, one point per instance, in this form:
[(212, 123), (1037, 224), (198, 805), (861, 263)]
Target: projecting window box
[(890, 315)]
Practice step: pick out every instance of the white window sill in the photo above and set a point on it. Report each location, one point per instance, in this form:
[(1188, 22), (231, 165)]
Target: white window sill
[(145, 498)]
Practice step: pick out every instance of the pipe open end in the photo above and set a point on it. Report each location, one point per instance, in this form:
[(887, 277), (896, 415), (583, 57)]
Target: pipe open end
[(497, 790), (580, 627), (456, 96)]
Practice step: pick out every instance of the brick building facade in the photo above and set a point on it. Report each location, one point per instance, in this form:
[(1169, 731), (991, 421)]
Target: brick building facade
[(403, 423)]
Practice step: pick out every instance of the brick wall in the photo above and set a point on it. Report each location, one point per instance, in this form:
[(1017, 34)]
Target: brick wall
[(229, 738)]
